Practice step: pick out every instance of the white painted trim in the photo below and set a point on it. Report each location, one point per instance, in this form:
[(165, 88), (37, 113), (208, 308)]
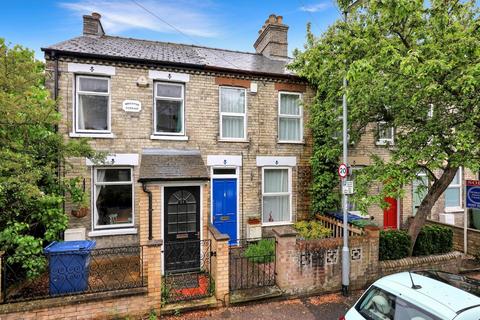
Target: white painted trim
[(174, 138), (181, 99), (290, 194), (274, 161), (300, 116), (224, 160), (227, 176), (112, 232), (91, 69), (384, 141), (162, 212), (119, 159), (168, 76), (103, 94), (234, 114), (92, 135), (93, 206), (458, 185)]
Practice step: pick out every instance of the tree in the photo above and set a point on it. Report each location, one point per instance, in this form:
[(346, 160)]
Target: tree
[(31, 152), (414, 65)]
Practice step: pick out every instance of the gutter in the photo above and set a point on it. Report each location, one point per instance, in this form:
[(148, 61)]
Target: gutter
[(152, 63), (150, 209)]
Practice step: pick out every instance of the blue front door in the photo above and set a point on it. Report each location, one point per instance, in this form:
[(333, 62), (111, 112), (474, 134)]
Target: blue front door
[(225, 207)]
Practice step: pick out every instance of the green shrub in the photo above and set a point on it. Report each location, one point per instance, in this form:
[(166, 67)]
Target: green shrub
[(433, 240), (310, 230), (261, 252), (394, 244)]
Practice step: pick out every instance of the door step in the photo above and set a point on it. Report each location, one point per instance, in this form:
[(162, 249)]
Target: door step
[(247, 295)]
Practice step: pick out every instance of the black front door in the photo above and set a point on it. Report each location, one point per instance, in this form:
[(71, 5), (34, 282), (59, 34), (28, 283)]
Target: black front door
[(182, 229)]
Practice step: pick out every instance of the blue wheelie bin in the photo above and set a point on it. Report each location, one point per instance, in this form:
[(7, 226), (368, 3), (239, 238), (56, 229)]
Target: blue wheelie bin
[(69, 263)]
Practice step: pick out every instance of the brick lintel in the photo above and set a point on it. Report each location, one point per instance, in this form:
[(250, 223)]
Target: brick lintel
[(292, 87), (233, 82)]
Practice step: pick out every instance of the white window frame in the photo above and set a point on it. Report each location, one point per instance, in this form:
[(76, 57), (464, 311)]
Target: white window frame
[(90, 93), (418, 176), (384, 141), (93, 200), (236, 114), (290, 116), (271, 194), (460, 188), (155, 98)]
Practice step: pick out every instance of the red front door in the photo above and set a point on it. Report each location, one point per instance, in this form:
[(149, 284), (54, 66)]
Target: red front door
[(390, 214)]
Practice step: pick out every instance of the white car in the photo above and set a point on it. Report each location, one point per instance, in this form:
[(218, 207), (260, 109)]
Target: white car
[(410, 296)]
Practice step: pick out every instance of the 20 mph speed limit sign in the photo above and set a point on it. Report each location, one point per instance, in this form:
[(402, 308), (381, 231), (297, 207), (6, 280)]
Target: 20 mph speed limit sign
[(343, 170)]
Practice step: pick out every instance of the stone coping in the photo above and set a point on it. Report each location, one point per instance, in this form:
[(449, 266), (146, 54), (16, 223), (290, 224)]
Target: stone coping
[(285, 231), (414, 261), (26, 306), (154, 243), (216, 234)]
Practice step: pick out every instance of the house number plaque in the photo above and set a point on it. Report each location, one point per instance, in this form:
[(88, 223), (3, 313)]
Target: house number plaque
[(132, 106)]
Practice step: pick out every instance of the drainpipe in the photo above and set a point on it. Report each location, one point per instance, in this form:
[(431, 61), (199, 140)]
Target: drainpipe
[(150, 209)]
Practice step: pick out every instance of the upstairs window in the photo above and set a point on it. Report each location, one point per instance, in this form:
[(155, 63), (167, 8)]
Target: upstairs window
[(290, 126), (277, 195), (169, 109), (233, 113), (385, 133), (453, 194), (92, 112)]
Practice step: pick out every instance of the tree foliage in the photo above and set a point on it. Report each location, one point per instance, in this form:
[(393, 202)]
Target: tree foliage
[(414, 65), (31, 191)]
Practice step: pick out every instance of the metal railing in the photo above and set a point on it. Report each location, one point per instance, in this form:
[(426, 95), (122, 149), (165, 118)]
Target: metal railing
[(252, 263), (74, 273), (187, 274)]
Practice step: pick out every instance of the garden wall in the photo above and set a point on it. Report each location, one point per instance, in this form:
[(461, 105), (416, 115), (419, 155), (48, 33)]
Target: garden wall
[(103, 305), (473, 238), (315, 266)]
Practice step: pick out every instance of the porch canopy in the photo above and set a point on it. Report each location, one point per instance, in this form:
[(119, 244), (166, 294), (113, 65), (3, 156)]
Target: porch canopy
[(172, 165)]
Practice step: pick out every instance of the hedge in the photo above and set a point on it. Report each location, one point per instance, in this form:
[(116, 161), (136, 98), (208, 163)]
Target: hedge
[(433, 240), (395, 244)]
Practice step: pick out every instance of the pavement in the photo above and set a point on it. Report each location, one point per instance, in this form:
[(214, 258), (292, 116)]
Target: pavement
[(328, 307)]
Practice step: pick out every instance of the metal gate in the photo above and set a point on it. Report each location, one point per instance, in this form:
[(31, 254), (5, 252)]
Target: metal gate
[(190, 278), (252, 263)]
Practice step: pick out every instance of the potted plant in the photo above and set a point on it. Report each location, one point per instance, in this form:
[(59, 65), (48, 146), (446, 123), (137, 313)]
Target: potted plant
[(79, 198), (253, 220)]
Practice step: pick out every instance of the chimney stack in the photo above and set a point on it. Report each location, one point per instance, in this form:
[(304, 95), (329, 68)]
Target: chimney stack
[(92, 25), (272, 38)]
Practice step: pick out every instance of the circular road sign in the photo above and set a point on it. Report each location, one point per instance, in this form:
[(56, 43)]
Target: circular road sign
[(343, 170)]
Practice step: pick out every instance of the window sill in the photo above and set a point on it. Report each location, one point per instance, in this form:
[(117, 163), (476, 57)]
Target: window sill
[(112, 232), (174, 138), (276, 224), (233, 140), (290, 142), (92, 135), (384, 143), (454, 210)]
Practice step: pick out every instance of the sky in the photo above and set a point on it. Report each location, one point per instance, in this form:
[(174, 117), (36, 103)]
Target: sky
[(226, 24)]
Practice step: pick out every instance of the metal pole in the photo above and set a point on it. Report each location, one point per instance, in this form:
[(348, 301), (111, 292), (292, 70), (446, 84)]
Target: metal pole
[(345, 249)]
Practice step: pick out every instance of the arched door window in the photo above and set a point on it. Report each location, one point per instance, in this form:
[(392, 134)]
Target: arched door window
[(182, 212)]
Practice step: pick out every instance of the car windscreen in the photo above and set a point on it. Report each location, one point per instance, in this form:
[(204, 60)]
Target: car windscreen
[(378, 304)]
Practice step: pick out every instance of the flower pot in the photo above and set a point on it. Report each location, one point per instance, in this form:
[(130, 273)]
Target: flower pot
[(254, 221), (79, 213)]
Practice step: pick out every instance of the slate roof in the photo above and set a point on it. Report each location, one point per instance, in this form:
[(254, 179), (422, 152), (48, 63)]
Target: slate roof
[(120, 48), (172, 164)]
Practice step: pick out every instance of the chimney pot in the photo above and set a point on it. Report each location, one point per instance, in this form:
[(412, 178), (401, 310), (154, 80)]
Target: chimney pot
[(92, 25), (272, 38)]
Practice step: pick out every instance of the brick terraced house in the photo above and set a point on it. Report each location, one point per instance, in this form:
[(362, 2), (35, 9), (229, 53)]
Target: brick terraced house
[(194, 135)]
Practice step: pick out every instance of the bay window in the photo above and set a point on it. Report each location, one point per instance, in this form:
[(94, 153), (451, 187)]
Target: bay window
[(169, 109), (276, 196), (290, 126), (92, 104), (112, 198), (233, 113)]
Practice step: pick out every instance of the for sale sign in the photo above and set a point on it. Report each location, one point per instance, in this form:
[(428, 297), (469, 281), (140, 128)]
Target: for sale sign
[(472, 196)]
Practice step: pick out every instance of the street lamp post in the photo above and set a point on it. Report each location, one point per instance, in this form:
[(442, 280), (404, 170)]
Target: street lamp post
[(345, 249)]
